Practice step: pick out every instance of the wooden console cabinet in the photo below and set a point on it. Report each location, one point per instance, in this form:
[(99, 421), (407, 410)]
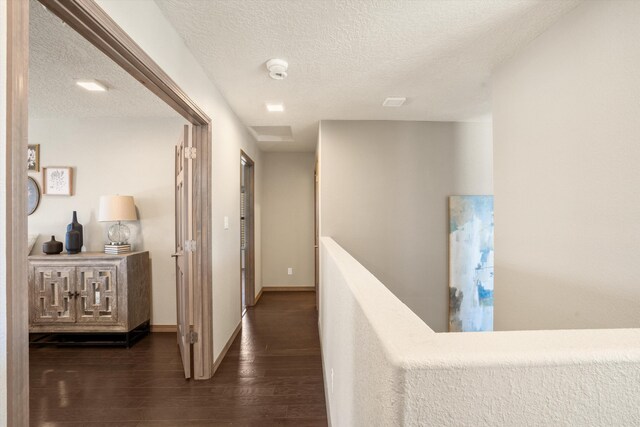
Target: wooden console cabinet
[(89, 293)]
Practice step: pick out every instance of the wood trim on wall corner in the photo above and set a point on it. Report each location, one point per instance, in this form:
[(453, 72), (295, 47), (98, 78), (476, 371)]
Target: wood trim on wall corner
[(220, 358), (288, 289)]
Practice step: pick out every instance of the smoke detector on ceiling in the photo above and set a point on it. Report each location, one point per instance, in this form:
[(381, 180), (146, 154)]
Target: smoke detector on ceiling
[(277, 69)]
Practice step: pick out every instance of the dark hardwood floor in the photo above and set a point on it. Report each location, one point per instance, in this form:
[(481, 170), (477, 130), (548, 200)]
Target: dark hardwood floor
[(272, 375)]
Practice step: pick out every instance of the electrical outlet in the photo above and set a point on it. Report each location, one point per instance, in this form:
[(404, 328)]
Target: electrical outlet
[(226, 222), (290, 271)]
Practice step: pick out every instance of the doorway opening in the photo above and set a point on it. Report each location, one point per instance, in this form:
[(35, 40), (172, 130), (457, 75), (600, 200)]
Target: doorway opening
[(93, 24), (247, 233)]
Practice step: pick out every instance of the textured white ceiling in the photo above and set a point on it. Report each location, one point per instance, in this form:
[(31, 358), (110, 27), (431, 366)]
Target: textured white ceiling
[(346, 56), (58, 55)]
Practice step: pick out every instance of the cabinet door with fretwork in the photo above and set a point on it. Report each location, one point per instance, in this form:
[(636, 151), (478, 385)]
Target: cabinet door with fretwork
[(52, 293), (97, 300)]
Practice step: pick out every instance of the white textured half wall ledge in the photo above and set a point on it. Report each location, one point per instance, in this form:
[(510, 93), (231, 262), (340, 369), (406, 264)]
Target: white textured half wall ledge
[(384, 366)]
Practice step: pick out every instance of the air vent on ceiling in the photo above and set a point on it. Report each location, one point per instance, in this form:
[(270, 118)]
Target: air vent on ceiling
[(393, 102), (272, 133)]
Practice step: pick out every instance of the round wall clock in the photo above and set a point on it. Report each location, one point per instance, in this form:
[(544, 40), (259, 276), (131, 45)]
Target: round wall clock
[(33, 195)]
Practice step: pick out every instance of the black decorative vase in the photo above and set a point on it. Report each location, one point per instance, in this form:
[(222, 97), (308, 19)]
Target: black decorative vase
[(74, 236), (52, 247)]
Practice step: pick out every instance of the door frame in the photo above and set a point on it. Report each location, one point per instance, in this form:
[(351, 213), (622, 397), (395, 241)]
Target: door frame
[(250, 255), (15, 232), (94, 24)]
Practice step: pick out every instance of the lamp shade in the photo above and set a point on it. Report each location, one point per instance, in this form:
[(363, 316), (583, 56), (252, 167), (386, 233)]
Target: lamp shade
[(117, 208)]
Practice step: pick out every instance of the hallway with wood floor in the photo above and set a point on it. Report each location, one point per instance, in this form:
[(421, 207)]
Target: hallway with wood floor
[(271, 376)]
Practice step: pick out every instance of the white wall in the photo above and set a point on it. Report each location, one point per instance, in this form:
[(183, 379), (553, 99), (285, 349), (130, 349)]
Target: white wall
[(146, 24), (114, 156), (383, 366), (3, 209), (567, 203), (288, 219), (384, 197)]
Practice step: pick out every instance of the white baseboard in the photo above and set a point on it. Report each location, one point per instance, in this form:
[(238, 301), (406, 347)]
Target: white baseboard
[(288, 288), (164, 328)]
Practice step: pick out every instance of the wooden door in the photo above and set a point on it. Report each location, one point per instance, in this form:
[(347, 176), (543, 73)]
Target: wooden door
[(184, 246)]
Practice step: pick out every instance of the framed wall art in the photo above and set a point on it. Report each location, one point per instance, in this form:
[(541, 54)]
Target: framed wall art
[(33, 158), (56, 181), (470, 263)]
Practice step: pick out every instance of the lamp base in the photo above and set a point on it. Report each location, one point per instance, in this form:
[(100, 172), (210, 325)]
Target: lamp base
[(118, 234)]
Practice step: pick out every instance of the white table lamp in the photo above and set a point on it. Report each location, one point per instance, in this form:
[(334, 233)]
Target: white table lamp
[(117, 208)]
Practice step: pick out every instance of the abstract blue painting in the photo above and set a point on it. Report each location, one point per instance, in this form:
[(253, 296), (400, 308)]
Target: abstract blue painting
[(470, 263)]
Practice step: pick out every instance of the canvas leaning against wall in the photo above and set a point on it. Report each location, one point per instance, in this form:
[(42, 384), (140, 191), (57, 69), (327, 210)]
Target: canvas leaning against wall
[(470, 263)]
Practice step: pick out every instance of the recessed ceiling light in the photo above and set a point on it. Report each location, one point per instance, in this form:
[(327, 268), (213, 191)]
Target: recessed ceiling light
[(92, 85), (275, 108), (393, 102)]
